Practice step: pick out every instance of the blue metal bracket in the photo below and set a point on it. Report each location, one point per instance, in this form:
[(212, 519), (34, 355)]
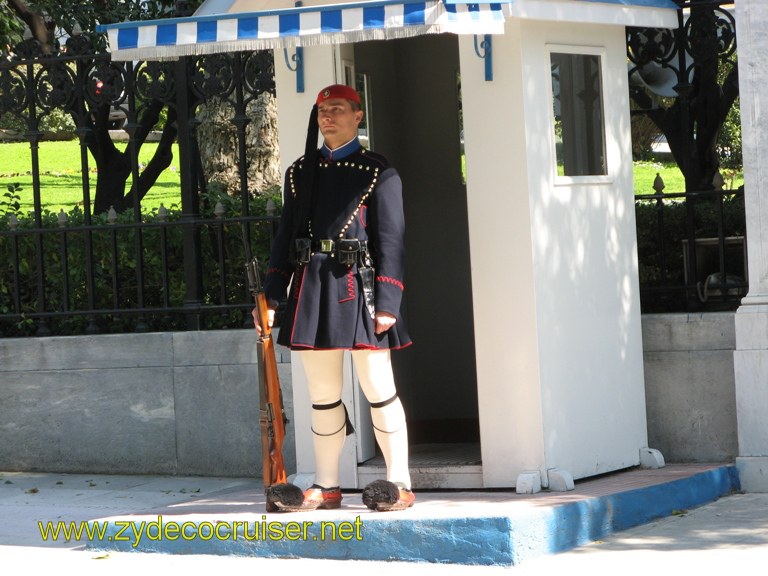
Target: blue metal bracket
[(484, 50), (297, 59), (298, 66)]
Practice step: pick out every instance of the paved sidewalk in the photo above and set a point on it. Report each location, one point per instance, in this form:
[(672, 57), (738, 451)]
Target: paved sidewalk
[(729, 534)]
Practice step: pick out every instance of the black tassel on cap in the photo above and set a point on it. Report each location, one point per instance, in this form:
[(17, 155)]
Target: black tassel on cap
[(307, 183)]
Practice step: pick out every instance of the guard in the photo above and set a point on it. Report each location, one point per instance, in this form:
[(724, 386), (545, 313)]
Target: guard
[(339, 252)]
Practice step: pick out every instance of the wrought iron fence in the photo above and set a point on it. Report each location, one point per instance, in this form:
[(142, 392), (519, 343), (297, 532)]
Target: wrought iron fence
[(692, 245), (692, 249), (93, 282), (93, 270)]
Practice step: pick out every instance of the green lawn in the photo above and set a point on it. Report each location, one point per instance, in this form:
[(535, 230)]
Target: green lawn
[(61, 184), (60, 175), (645, 174)]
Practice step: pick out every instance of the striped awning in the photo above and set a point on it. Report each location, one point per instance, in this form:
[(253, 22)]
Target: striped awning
[(300, 26)]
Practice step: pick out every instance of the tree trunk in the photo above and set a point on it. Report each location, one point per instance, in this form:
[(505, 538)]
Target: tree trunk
[(693, 122), (217, 138), (159, 162), (36, 23), (114, 167)]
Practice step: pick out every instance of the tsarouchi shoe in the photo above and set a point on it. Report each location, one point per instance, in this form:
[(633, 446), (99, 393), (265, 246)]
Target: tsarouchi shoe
[(285, 494), (386, 496), (314, 498)]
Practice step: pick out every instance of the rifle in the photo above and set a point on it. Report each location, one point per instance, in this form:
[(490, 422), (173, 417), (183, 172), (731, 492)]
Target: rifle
[(272, 417)]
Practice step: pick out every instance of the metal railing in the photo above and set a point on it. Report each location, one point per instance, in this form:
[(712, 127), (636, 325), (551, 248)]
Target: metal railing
[(691, 249), (101, 291), (184, 269), (97, 271)]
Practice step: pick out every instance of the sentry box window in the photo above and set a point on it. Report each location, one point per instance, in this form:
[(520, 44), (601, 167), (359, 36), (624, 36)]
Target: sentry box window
[(579, 120)]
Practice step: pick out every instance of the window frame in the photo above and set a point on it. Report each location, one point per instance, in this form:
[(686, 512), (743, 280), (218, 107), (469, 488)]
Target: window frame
[(570, 49)]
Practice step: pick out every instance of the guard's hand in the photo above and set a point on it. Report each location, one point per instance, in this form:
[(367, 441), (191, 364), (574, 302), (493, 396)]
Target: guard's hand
[(270, 318), (384, 321)]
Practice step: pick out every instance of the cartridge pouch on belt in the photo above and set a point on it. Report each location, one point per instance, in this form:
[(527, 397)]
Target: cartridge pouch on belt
[(303, 250), (348, 250)]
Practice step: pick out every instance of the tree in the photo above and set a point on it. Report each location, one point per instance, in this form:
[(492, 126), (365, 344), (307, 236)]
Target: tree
[(52, 21), (47, 19), (217, 137), (702, 56), (11, 26)]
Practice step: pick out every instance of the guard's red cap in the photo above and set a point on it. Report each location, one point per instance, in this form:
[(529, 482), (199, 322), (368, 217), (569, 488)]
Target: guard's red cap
[(338, 91)]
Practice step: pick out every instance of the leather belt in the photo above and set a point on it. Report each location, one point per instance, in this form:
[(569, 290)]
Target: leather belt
[(347, 250)]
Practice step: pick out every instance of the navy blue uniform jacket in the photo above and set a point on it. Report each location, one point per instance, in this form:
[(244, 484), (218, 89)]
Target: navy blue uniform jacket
[(358, 196)]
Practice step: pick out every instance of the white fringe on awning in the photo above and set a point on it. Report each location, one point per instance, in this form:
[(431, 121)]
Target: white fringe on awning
[(321, 25)]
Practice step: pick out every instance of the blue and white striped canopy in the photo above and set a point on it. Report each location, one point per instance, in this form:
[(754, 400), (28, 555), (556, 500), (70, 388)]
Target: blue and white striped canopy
[(300, 26)]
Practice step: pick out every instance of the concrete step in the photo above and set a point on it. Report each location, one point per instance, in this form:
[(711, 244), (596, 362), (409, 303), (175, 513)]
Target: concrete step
[(448, 466), (488, 527)]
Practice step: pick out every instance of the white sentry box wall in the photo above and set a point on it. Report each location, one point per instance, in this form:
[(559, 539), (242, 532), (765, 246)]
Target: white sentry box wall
[(554, 265)]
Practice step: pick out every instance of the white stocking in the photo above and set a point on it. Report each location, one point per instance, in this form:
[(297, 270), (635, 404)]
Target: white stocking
[(324, 379), (374, 368)]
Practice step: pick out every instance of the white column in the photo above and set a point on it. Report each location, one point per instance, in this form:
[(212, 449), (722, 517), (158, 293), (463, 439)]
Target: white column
[(751, 356)]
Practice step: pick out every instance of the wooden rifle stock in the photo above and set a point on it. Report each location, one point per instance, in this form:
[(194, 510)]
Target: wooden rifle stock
[(272, 417)]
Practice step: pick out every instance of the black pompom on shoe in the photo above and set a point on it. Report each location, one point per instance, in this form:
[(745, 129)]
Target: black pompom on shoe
[(286, 494), (383, 496)]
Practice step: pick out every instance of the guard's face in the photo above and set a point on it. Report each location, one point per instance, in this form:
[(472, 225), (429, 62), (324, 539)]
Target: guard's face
[(338, 121)]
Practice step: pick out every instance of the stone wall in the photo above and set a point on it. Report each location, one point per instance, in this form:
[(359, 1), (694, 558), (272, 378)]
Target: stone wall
[(690, 386), (168, 403), (187, 403)]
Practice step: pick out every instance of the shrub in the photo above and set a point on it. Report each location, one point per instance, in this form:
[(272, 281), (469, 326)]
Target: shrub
[(666, 269), (114, 271)]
